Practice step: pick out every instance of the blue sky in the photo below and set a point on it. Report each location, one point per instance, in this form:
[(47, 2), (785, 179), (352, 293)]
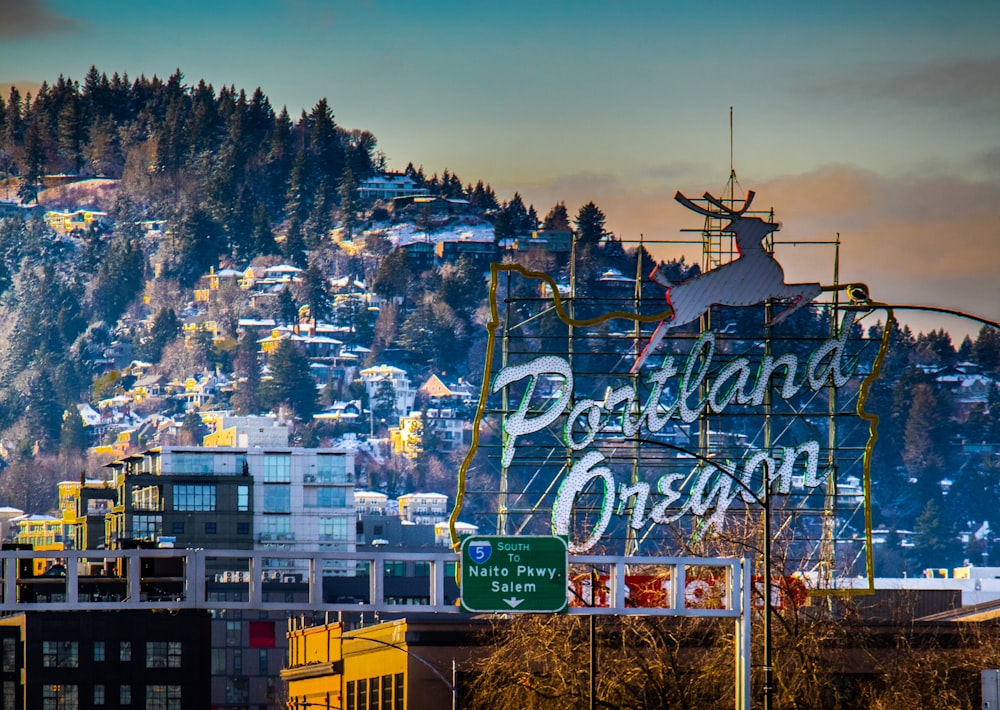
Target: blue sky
[(875, 120)]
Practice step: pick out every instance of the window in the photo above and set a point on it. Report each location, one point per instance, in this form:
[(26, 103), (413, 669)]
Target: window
[(60, 654), (9, 694), (262, 666), (331, 468), (374, 693), (387, 692), (363, 693), (350, 696), (146, 526), (334, 528), (421, 569), (125, 695), (275, 525), (237, 690), (9, 655), (163, 654), (125, 651), (277, 499), (98, 651), (330, 497), (394, 568), (198, 497), (400, 691), (163, 697), (191, 463), (234, 635), (60, 697), (210, 528), (218, 661), (243, 498), (277, 468), (238, 660), (243, 528), (177, 527), (98, 695)]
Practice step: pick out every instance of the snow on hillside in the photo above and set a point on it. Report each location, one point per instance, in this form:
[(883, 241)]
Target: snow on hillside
[(407, 233)]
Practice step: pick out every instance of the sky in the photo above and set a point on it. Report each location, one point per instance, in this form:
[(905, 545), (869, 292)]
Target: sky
[(875, 121)]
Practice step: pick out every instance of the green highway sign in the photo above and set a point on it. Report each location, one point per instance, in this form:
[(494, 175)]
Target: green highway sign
[(514, 573)]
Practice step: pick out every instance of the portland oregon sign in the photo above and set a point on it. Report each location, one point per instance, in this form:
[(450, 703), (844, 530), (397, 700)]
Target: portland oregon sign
[(654, 408)]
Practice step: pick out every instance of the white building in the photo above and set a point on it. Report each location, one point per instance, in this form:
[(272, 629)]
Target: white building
[(388, 186), (423, 508), (370, 503), (302, 499), (404, 394)]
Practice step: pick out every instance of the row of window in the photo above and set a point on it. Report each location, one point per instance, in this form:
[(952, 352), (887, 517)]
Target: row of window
[(67, 697), (379, 693), (66, 654), (330, 468)]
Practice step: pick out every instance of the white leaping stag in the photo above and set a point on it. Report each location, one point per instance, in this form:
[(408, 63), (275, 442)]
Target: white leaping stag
[(753, 277)]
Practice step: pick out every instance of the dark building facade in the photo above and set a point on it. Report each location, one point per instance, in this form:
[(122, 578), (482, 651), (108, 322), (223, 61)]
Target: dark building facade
[(51, 660)]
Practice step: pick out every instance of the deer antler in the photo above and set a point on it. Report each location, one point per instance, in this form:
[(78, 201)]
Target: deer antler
[(723, 210), (728, 210)]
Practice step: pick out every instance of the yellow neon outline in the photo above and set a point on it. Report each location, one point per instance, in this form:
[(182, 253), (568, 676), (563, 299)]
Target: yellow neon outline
[(858, 293)]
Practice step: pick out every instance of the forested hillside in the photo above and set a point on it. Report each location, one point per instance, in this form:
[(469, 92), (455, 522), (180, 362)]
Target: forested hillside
[(236, 183)]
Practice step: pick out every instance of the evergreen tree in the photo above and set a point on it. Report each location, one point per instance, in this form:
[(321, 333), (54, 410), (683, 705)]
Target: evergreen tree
[(291, 381), (395, 275), (590, 224), (314, 292), (317, 227), (247, 397), (43, 416), (73, 438), (986, 349), (288, 309), (326, 143), (164, 328), (937, 545), (557, 218), (261, 237), (33, 164), (350, 202), (293, 248), (926, 439), (118, 280), (192, 430), (298, 198)]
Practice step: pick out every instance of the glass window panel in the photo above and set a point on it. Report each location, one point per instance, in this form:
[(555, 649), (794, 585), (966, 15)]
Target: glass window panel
[(196, 497), (277, 468)]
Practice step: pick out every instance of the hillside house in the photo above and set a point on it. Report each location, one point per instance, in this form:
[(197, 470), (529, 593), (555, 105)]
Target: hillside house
[(388, 186), (74, 222), (423, 508), (404, 394), (459, 392)]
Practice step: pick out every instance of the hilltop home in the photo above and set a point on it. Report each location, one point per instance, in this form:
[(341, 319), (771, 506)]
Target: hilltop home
[(404, 394)]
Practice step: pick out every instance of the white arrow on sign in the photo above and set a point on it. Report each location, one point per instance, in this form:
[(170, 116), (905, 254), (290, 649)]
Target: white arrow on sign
[(513, 601)]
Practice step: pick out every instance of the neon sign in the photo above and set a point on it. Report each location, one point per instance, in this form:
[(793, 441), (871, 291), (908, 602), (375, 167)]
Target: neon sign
[(565, 426), (716, 484)]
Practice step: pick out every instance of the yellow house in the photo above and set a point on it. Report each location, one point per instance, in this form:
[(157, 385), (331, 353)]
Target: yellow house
[(407, 438), (44, 533), (76, 221), (396, 665)]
